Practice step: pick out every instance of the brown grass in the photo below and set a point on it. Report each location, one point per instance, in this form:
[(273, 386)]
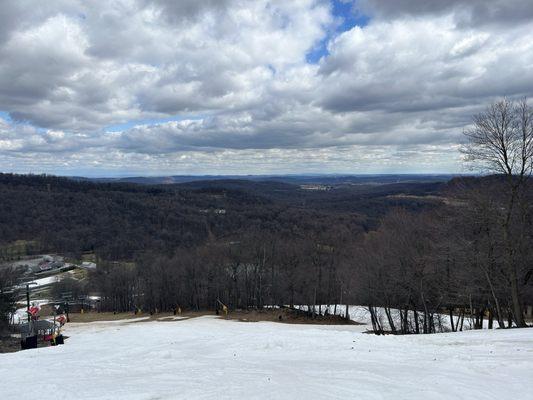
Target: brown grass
[(285, 315), (288, 316)]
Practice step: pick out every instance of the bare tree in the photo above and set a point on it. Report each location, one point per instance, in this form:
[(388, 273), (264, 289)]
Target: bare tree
[(9, 277), (501, 142)]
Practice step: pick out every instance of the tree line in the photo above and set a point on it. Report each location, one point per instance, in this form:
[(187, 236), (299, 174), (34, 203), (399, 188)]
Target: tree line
[(412, 271)]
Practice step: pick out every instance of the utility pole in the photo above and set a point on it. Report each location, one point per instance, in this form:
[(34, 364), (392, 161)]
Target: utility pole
[(30, 341), (27, 284), (28, 298), (30, 323)]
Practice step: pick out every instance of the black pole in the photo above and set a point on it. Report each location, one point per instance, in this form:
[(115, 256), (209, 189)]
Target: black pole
[(30, 341), (28, 297), (30, 325)]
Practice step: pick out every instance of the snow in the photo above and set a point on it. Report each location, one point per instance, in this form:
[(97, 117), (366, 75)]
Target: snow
[(88, 265), (211, 358), (170, 318), (362, 315), (41, 282)]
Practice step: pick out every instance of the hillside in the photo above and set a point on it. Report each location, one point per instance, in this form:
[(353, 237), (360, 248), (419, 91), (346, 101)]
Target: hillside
[(119, 220)]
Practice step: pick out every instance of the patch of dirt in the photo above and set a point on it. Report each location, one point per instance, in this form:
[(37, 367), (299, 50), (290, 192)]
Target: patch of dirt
[(102, 316), (9, 344), (283, 315), (288, 316), (110, 316)]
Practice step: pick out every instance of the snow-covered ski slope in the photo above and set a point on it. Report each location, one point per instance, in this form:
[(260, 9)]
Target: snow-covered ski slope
[(210, 358)]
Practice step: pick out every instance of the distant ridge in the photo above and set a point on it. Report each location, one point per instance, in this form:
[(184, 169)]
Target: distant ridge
[(293, 179)]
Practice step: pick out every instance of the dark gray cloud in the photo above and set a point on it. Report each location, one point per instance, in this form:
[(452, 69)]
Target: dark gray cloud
[(466, 12), (187, 9)]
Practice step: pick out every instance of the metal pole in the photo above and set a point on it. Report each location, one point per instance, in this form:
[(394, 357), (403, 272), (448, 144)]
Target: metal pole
[(30, 325), (28, 298)]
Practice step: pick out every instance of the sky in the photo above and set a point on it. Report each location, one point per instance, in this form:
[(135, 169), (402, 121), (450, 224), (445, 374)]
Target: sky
[(158, 87)]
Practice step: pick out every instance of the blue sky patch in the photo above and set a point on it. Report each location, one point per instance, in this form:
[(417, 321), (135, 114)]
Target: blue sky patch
[(347, 17), (5, 116)]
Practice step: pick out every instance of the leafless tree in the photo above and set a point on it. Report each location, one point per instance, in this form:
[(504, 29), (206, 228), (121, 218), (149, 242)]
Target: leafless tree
[(501, 142)]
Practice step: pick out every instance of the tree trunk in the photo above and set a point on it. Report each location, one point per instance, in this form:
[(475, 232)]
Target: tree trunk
[(499, 315), (518, 314), (391, 321), (451, 319), (415, 316)]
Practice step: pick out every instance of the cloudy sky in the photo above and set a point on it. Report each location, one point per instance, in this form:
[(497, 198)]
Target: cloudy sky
[(151, 87)]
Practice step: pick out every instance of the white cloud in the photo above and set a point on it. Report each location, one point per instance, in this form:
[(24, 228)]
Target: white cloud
[(225, 85)]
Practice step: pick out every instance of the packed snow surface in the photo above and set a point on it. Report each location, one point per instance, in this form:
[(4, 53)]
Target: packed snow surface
[(210, 358)]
